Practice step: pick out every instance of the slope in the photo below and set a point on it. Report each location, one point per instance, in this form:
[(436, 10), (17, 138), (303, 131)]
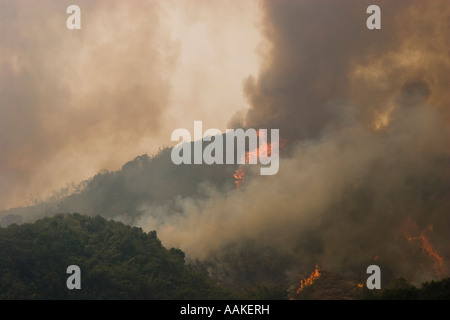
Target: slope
[(116, 262)]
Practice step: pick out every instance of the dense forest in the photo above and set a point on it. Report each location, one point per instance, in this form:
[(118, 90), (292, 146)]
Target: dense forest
[(116, 261)]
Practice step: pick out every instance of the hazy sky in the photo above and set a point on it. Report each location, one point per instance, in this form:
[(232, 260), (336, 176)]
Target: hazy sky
[(73, 102)]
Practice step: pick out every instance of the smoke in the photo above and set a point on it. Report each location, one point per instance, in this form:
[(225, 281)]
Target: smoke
[(321, 51), (338, 202), (70, 100), (366, 116), (75, 102)]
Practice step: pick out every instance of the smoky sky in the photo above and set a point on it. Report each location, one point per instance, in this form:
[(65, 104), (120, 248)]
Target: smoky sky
[(64, 94), (74, 102)]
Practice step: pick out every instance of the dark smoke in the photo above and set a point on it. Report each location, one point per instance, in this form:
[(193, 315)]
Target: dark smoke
[(366, 115), (321, 51)]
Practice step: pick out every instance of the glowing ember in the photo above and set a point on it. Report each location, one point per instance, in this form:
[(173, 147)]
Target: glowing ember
[(310, 280)]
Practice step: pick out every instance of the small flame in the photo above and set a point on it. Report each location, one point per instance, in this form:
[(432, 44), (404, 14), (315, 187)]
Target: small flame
[(263, 151), (310, 280), (360, 285), (239, 177), (415, 236)]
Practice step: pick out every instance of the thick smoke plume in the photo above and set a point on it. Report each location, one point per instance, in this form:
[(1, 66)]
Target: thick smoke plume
[(365, 114), (321, 51)]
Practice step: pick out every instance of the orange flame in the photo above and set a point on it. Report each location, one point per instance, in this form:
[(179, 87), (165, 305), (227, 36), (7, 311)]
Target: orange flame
[(415, 236), (239, 177), (310, 280), (360, 285), (264, 150)]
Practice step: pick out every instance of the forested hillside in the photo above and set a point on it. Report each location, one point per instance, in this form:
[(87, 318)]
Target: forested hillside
[(116, 261), (123, 194)]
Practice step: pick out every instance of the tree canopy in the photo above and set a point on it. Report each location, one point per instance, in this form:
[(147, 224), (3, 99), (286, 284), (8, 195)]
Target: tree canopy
[(116, 261)]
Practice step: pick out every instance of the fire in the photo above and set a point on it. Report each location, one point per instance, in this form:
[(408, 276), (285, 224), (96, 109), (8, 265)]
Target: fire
[(239, 177), (261, 152), (419, 237), (360, 285), (305, 282)]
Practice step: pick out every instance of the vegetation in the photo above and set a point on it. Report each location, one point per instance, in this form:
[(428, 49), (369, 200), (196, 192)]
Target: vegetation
[(401, 289), (116, 262), (140, 182), (123, 262)]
